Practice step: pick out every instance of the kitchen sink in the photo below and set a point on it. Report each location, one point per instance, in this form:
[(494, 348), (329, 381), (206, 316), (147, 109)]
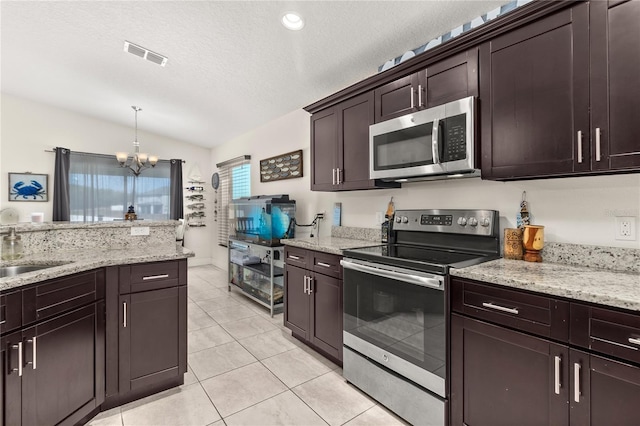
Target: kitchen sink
[(12, 271)]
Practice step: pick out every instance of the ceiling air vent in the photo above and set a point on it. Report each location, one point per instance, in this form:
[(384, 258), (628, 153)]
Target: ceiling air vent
[(140, 51)]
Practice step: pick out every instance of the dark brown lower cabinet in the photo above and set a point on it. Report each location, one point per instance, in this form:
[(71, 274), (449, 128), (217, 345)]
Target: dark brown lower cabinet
[(153, 326), (54, 371), (503, 377), (313, 300)]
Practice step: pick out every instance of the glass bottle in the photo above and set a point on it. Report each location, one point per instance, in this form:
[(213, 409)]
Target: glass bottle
[(11, 245)]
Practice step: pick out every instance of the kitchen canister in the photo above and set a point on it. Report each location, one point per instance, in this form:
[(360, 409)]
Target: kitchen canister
[(513, 243), (533, 241)]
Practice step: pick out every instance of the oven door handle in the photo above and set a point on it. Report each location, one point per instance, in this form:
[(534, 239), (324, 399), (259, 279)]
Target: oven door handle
[(407, 277)]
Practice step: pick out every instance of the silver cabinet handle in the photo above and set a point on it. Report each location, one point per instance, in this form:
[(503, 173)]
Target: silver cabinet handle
[(500, 308), (124, 314), (291, 256), (634, 341), (155, 277), (576, 382), (411, 97), (579, 146), (304, 287), (338, 181), (34, 352), (597, 143), (435, 143), (310, 289), (326, 265), (557, 384), (333, 176), (19, 348), (419, 95)]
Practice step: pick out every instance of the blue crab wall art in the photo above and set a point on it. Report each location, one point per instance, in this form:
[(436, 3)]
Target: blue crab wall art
[(33, 190)]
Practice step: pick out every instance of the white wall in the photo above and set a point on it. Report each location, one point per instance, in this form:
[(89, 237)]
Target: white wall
[(29, 128), (573, 210)]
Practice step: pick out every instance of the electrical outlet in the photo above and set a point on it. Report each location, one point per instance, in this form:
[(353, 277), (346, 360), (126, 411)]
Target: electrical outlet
[(626, 228), (139, 230)]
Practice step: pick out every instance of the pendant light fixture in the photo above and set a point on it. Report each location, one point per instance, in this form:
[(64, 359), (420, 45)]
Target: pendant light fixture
[(139, 161)]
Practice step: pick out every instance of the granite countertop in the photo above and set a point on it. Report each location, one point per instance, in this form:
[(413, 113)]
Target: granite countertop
[(333, 245), (72, 261), (48, 226), (602, 286)]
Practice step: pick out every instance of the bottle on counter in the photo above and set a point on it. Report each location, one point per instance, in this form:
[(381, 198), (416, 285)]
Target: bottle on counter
[(12, 245)]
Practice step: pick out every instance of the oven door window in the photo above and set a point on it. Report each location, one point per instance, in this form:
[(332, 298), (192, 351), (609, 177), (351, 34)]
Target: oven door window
[(403, 148), (405, 319)]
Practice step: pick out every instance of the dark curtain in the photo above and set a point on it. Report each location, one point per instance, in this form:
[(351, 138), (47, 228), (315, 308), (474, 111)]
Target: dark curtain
[(176, 210), (61, 204)]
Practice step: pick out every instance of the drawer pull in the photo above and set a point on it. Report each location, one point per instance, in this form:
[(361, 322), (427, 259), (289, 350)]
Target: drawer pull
[(576, 382), (557, 384), (618, 344), (500, 308), (124, 314), (2, 322), (155, 277), (326, 265), (294, 257), (634, 341)]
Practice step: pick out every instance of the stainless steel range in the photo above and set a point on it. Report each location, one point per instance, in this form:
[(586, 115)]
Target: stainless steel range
[(395, 310)]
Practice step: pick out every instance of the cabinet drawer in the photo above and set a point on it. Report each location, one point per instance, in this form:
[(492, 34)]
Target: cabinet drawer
[(327, 264), (60, 295), (296, 257), (606, 331), (10, 311), (540, 315), (151, 276)]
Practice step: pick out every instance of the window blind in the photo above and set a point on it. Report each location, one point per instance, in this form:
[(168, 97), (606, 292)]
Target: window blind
[(235, 182)]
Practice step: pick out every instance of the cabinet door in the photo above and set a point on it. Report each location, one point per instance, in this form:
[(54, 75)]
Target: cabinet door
[(152, 337), (326, 314), (324, 150), (354, 118), (296, 306), (534, 98), (615, 92), (12, 382), (397, 98), (607, 391), (63, 371), (503, 377), (450, 79)]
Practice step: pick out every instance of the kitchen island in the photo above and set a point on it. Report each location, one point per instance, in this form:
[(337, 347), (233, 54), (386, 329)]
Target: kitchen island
[(105, 319)]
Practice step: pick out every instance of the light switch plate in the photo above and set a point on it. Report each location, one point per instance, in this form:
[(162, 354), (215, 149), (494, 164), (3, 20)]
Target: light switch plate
[(139, 230)]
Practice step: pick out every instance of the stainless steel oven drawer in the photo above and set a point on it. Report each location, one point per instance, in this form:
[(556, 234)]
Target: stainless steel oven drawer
[(407, 400)]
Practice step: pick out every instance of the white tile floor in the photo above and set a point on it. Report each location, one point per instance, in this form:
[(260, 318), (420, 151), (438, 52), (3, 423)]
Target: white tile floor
[(246, 369)]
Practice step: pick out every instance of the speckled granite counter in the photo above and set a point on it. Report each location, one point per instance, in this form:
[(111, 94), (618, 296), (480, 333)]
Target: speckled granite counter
[(333, 245), (72, 261), (606, 287)]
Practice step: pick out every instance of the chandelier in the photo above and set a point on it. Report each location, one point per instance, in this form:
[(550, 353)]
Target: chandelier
[(139, 160)]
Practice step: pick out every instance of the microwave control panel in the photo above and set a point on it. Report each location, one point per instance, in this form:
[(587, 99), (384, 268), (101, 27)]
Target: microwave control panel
[(455, 138)]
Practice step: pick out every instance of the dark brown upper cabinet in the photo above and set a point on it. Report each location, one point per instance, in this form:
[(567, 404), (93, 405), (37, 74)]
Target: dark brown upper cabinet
[(539, 83), (340, 146), (444, 81), (615, 88)]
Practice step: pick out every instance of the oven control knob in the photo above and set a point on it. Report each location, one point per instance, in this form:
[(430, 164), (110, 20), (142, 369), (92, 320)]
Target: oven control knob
[(473, 221), (462, 221), (405, 219), (485, 221), (398, 220), (385, 357)]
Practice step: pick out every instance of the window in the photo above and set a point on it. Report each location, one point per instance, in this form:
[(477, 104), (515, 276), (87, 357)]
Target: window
[(100, 190), (235, 182)]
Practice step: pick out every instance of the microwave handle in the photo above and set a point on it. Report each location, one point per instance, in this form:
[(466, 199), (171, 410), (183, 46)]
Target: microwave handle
[(435, 141)]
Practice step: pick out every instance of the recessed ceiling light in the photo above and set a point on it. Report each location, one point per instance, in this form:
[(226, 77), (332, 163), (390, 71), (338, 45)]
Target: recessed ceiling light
[(292, 21)]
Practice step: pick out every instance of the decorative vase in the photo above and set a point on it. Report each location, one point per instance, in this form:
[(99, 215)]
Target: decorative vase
[(513, 243), (533, 241)]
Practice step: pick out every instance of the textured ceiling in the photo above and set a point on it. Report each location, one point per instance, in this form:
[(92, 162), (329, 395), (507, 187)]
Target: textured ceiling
[(232, 66)]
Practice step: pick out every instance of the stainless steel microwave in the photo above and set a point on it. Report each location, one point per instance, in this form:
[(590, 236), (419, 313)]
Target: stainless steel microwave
[(434, 143)]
